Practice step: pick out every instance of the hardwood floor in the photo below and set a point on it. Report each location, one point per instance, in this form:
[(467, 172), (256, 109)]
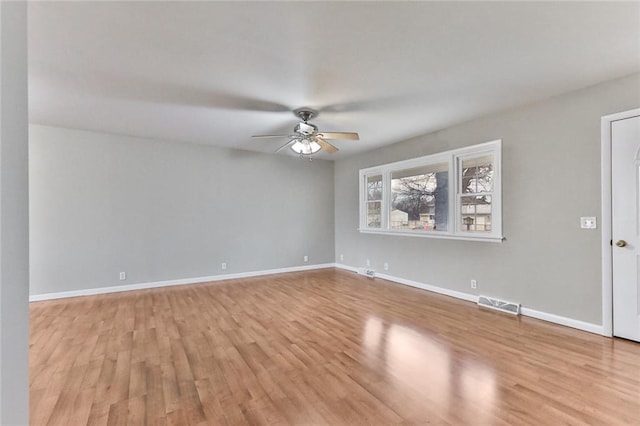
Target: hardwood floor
[(319, 347)]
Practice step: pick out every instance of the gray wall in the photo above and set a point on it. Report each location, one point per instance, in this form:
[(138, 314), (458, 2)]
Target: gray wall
[(551, 177), (101, 204), (14, 199)]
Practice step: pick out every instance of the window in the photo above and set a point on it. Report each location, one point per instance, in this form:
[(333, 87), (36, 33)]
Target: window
[(455, 194), (420, 198), (476, 178), (374, 201)]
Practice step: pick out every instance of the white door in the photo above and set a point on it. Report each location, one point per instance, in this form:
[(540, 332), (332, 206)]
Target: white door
[(625, 161)]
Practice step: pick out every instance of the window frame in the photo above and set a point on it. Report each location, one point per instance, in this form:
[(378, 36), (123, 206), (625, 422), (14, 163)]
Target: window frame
[(365, 200), (454, 160)]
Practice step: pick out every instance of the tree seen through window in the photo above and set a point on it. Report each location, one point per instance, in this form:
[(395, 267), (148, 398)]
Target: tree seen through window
[(419, 198)]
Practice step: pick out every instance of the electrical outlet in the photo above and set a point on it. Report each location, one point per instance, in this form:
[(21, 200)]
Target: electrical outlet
[(368, 262), (306, 258), (342, 257), (386, 266), (123, 276), (474, 284), (223, 266), (588, 223)]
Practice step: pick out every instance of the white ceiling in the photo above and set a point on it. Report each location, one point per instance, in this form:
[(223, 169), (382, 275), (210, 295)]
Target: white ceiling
[(218, 72)]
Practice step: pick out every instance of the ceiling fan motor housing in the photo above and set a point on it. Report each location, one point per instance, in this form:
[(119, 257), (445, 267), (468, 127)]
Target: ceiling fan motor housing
[(306, 129), (305, 113)]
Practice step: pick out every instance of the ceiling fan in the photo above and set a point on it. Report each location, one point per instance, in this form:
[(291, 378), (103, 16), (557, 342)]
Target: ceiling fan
[(306, 140)]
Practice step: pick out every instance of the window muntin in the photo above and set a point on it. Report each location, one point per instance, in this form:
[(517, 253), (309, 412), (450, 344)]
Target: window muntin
[(475, 213), (454, 194), (477, 174)]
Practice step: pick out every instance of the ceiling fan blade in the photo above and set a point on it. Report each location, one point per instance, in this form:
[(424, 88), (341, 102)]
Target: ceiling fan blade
[(326, 145), (340, 135), (270, 136), (125, 86), (284, 146)]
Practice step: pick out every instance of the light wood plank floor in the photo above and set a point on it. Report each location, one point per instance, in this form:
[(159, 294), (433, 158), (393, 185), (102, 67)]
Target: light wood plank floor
[(319, 347)]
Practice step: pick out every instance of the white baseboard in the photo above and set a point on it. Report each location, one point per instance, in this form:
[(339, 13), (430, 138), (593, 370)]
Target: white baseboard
[(447, 292), (423, 286), (183, 281), (346, 267), (556, 319), (568, 322)]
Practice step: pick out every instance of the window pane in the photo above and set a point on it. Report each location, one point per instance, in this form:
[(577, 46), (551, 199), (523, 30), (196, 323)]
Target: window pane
[(476, 213), (374, 209), (420, 198), (374, 188), (477, 175)]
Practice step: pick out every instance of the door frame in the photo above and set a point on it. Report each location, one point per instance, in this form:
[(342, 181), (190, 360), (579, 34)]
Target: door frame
[(607, 217)]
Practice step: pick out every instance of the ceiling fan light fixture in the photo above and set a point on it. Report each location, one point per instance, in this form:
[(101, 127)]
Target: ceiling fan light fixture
[(305, 147)]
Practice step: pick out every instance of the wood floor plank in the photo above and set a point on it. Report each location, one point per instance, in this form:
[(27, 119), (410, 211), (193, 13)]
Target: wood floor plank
[(136, 410), (155, 406), (314, 348), (99, 413)]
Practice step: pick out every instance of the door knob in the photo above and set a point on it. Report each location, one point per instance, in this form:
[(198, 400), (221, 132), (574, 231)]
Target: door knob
[(621, 243)]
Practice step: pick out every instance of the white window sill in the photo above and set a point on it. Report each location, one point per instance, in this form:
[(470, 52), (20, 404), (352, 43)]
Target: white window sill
[(433, 234)]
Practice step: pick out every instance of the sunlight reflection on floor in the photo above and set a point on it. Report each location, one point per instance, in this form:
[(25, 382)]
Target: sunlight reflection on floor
[(421, 362)]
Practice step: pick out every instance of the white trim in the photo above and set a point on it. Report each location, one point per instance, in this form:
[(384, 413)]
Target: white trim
[(432, 234), (496, 208), (346, 267), (363, 194), (606, 222), (433, 158), (569, 322), (183, 281), (556, 319), (440, 290), (452, 159)]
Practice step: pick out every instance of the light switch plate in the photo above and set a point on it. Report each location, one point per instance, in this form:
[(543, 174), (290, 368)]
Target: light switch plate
[(588, 223)]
